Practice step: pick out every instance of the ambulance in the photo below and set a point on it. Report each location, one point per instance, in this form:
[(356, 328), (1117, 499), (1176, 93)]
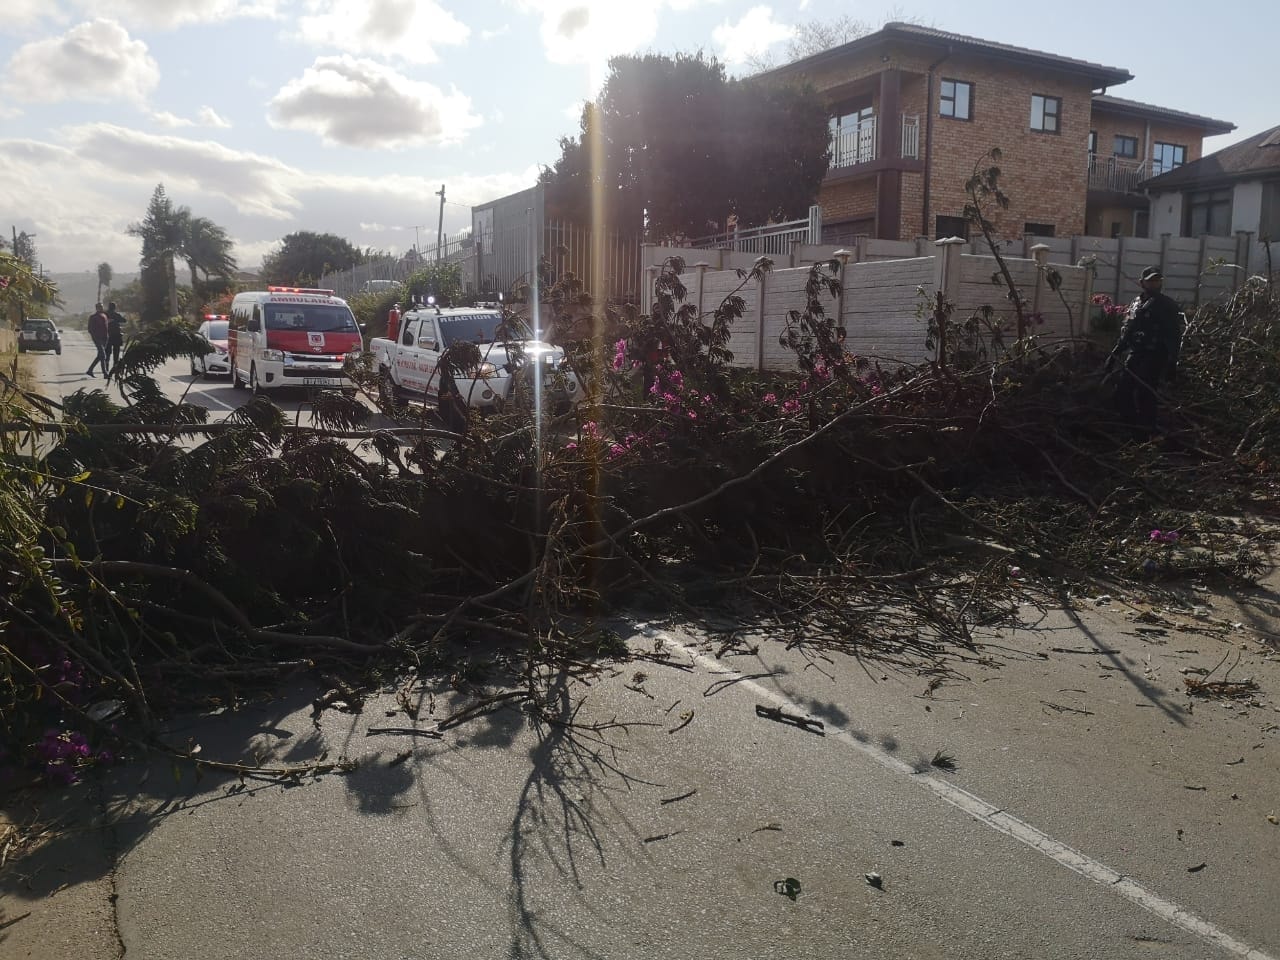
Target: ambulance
[(292, 337)]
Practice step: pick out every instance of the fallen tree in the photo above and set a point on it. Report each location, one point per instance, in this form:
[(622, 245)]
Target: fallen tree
[(154, 560)]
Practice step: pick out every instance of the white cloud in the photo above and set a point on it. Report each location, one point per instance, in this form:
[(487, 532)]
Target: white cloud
[(573, 113), (497, 32), (166, 14), (96, 61), (21, 13), (205, 117), (751, 36), (209, 117), (81, 194), (361, 103), (406, 29), (591, 31), (171, 120)]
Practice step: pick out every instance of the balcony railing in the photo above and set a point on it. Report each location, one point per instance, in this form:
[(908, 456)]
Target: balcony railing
[(857, 144), (1117, 174)]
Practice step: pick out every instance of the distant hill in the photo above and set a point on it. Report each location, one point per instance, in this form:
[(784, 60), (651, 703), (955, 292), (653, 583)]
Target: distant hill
[(79, 291)]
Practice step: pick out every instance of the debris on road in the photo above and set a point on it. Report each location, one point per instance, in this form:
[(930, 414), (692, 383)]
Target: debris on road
[(1197, 868), (686, 718), (875, 880), (897, 843), (944, 761), (683, 796), (662, 836), (781, 716), (789, 888)]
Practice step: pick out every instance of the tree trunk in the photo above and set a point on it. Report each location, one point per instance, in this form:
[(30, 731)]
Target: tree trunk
[(172, 274)]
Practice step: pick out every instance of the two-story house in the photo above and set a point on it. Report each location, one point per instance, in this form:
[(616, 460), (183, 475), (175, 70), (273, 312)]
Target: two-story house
[(1130, 142), (914, 109)]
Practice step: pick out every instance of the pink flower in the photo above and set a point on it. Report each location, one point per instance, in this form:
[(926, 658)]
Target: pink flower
[(571, 445), (769, 398), (619, 354), (616, 450), (692, 415), (791, 406)]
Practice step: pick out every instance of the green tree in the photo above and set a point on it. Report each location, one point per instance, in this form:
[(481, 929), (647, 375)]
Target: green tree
[(674, 146), (170, 233), (21, 288), (24, 248), (104, 277), (163, 233), (304, 257)]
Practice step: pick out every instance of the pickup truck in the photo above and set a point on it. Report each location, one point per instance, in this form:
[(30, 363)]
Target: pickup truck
[(511, 361)]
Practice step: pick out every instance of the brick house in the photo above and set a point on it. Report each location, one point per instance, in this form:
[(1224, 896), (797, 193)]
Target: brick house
[(913, 110), (1130, 142)]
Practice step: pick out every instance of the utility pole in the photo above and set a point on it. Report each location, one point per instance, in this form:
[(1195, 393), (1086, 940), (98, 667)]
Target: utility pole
[(440, 226)]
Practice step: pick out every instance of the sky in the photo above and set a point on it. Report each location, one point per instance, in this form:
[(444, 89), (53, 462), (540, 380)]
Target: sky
[(347, 116)]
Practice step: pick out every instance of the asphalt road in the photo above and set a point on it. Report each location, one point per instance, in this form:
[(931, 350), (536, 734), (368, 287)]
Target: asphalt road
[(59, 376), (1096, 811)]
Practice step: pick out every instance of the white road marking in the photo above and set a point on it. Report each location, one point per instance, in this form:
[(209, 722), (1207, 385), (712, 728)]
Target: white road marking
[(1006, 823), (191, 395)]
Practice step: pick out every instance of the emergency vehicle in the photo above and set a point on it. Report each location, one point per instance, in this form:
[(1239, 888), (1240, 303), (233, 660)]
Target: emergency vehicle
[(510, 358), (292, 337)]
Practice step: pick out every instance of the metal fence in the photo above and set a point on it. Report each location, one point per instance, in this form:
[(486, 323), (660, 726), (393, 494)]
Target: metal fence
[(774, 239)]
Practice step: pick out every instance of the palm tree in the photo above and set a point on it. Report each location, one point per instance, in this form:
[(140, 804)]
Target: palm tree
[(207, 248), (104, 277)]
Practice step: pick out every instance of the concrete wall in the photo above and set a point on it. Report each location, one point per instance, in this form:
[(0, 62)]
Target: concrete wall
[(884, 301)]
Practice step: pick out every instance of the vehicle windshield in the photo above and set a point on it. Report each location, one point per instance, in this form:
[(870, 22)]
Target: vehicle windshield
[(216, 330), (315, 317), (37, 325), (479, 328)]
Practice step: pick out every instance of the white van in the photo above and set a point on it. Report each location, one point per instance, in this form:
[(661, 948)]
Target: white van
[(292, 337)]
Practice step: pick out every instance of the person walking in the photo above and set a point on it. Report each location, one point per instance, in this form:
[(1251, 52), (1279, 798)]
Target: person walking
[(115, 333), (1149, 342), (98, 334)]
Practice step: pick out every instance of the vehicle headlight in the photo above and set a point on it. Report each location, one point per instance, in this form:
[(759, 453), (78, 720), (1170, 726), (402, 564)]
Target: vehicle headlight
[(272, 354), (485, 371)]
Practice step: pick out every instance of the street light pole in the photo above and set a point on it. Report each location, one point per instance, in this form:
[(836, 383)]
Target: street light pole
[(440, 227)]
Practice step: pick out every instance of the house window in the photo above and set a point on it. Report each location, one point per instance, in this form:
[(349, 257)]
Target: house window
[(1166, 156), (956, 100), (1141, 223), (1269, 222), (1209, 212), (1046, 113), (853, 137), (1037, 229), (1126, 147), (1093, 142), (951, 227)]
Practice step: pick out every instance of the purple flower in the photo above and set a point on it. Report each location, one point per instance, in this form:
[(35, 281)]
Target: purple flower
[(791, 406), (616, 450), (769, 398), (571, 445)]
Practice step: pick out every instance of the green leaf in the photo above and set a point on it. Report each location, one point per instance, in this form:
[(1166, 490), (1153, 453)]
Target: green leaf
[(119, 502)]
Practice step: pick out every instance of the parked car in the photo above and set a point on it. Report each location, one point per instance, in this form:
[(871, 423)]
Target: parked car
[(216, 361), (39, 334), (509, 359), (380, 286)]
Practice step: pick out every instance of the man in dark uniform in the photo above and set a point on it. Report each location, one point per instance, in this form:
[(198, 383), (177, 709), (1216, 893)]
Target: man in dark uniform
[(1149, 342), (115, 333)]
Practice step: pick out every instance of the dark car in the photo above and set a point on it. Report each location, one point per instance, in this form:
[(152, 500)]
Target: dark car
[(39, 335)]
